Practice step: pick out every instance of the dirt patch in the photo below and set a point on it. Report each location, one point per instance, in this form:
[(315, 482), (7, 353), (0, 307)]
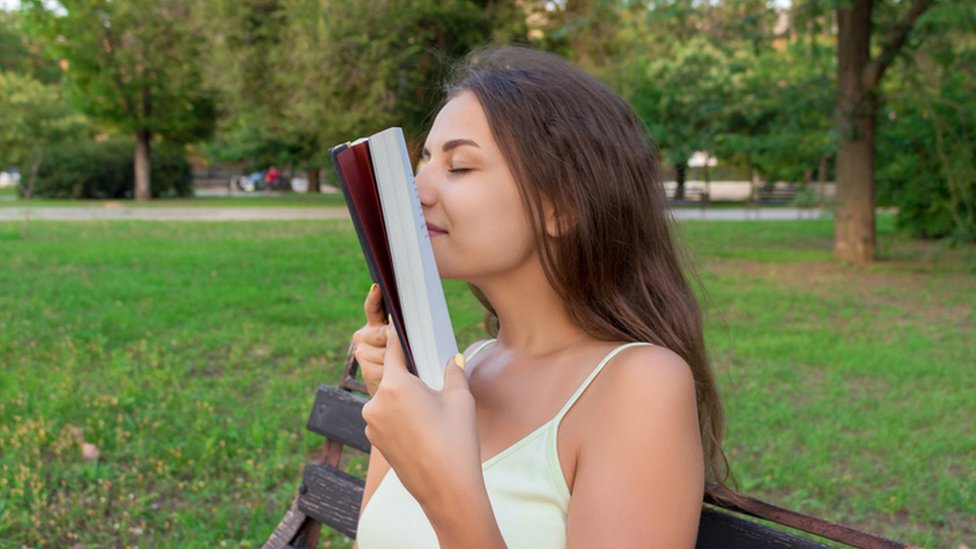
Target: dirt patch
[(914, 287)]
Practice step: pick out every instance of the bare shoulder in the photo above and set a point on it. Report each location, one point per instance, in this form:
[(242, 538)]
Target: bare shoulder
[(646, 374), (646, 391)]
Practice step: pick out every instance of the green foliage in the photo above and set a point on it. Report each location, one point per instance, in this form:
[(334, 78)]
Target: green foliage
[(33, 116), (407, 46), (681, 97), (132, 64), (22, 54), (303, 75), (927, 137), (909, 175), (778, 111), (105, 170), (243, 39), (731, 88)]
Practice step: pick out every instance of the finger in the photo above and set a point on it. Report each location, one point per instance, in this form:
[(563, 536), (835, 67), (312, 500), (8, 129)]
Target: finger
[(372, 375), (368, 353), (371, 370), (373, 307), (375, 336), (394, 361), (370, 335)]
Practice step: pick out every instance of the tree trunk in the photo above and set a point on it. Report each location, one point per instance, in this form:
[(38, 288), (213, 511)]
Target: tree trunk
[(313, 181), (142, 192), (679, 176), (854, 237)]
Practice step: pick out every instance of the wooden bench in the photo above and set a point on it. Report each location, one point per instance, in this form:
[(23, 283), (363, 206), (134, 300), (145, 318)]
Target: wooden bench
[(774, 194), (330, 496), (694, 195)]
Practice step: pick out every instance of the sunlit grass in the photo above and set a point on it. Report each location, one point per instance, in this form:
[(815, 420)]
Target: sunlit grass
[(188, 355)]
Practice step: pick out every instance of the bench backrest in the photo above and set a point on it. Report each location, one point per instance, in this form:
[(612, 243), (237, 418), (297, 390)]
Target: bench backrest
[(332, 497)]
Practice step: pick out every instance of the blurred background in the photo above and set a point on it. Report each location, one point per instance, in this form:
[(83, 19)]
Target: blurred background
[(155, 375)]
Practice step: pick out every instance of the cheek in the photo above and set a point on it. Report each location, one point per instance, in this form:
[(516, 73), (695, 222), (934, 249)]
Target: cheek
[(491, 236)]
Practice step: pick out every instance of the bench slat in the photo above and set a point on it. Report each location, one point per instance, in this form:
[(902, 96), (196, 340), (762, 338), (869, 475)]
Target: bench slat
[(722, 530), (331, 497), (338, 415)]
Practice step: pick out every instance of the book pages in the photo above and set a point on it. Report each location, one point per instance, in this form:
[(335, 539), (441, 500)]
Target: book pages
[(422, 301)]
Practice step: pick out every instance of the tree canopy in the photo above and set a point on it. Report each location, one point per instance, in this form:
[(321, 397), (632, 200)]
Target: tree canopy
[(783, 93)]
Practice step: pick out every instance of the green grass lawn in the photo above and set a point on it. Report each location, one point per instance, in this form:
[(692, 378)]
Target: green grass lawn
[(188, 355)]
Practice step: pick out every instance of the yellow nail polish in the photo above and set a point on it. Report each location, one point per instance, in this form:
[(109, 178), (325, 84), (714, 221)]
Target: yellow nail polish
[(373, 287), (459, 360), (389, 319)]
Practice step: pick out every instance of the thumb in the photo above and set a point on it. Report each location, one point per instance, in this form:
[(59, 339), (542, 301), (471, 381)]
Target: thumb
[(373, 306), (454, 376)]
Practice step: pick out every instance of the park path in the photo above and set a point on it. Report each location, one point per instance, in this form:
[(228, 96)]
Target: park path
[(71, 213)]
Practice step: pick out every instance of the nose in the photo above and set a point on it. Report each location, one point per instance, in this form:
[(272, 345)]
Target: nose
[(426, 189)]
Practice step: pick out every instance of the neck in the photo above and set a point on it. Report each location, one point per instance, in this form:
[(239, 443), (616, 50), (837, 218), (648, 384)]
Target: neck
[(532, 318)]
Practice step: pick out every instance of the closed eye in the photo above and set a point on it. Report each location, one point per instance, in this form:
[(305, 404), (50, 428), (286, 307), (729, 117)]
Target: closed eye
[(459, 170)]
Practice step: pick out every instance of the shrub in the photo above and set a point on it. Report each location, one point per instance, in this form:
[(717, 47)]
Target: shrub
[(911, 176), (106, 170)]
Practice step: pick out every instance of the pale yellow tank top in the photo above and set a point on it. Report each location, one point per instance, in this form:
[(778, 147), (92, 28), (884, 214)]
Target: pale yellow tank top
[(525, 483)]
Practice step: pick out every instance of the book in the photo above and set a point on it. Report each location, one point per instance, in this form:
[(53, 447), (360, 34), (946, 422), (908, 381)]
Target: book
[(377, 183)]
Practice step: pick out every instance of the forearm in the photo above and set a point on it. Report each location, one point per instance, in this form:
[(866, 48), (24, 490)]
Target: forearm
[(377, 469), (464, 519)]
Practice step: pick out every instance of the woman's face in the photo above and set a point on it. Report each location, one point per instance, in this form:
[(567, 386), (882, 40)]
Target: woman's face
[(475, 217)]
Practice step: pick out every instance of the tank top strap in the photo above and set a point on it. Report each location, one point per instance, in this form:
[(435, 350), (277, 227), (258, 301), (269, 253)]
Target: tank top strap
[(475, 352), (480, 347), (589, 379)]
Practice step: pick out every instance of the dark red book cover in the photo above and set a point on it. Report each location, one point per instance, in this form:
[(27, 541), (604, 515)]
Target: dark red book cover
[(355, 170)]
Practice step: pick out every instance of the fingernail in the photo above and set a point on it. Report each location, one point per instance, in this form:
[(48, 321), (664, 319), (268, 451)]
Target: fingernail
[(373, 287), (389, 319), (459, 360)]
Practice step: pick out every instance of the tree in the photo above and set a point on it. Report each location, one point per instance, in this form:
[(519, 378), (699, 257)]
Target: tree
[(244, 42), (681, 98), (134, 66), (33, 116), (859, 76), (300, 76), (779, 105), (358, 67)]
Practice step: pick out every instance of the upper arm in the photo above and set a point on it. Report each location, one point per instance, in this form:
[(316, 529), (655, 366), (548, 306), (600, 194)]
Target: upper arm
[(639, 476)]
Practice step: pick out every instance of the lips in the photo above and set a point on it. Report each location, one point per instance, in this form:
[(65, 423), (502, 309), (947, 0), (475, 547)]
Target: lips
[(434, 230)]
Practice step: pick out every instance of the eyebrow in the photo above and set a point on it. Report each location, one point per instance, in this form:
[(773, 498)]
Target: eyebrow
[(452, 144)]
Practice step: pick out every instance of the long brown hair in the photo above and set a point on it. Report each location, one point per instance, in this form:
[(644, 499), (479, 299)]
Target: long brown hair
[(576, 145)]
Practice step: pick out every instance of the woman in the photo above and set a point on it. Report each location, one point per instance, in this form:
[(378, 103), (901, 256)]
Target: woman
[(592, 419)]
